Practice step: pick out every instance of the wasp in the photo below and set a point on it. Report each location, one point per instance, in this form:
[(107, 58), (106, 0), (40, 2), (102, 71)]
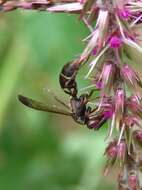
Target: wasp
[(78, 110)]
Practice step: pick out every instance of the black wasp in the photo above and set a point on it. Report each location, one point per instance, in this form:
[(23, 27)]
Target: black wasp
[(78, 110)]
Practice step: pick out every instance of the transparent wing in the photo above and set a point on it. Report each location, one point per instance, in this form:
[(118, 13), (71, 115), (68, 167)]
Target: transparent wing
[(41, 106), (53, 98)]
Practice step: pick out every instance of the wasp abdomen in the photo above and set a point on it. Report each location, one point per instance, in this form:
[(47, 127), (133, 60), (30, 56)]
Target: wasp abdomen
[(67, 78)]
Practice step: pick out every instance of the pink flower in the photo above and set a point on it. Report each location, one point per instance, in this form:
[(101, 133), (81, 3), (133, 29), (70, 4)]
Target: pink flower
[(115, 42)]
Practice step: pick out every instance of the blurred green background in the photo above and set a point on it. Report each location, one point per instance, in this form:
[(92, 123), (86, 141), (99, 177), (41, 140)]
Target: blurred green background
[(42, 151)]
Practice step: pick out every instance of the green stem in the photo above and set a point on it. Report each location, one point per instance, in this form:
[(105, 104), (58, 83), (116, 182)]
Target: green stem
[(10, 73)]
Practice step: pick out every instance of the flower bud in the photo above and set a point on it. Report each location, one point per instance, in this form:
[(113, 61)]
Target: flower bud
[(133, 181), (115, 150), (134, 104), (111, 150), (138, 136), (115, 42), (131, 120), (119, 106), (105, 79)]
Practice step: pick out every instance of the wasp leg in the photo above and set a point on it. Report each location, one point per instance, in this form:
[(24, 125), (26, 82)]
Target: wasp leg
[(91, 92)]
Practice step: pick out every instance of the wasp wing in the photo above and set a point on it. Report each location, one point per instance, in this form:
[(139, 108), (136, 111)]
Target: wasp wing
[(41, 106)]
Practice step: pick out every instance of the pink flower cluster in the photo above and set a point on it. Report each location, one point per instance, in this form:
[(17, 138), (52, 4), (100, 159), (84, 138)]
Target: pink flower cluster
[(111, 69)]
